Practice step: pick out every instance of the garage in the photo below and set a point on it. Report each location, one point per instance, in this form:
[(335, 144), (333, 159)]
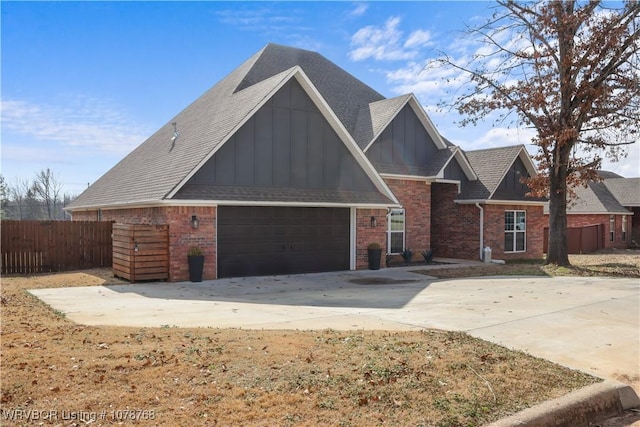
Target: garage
[(259, 241)]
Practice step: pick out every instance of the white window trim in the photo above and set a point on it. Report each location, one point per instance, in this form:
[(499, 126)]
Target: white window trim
[(515, 232), (624, 228), (612, 228), (404, 231)]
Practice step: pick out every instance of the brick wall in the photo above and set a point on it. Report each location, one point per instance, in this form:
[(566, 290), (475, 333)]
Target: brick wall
[(455, 229), (181, 235), (634, 227), (494, 231), (415, 197), (366, 234)]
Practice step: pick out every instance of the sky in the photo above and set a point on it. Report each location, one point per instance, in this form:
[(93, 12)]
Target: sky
[(84, 83)]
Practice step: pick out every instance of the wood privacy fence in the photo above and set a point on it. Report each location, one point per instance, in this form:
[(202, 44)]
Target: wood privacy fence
[(581, 240), (29, 247)]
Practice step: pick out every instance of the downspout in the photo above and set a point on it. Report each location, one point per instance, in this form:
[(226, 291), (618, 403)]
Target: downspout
[(481, 229)]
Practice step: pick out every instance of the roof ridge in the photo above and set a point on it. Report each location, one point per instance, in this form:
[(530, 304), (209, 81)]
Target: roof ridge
[(505, 147)]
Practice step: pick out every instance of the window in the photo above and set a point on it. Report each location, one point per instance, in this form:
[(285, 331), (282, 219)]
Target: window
[(624, 228), (612, 228), (396, 231), (515, 231)]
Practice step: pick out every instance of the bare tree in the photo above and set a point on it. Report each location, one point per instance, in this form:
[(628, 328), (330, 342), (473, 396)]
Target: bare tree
[(4, 193), (571, 71), (21, 199), (47, 187)]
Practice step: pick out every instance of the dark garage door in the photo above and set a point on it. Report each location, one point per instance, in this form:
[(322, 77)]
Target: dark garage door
[(254, 241)]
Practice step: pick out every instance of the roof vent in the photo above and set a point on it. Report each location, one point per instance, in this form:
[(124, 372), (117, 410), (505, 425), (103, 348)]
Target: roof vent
[(175, 132)]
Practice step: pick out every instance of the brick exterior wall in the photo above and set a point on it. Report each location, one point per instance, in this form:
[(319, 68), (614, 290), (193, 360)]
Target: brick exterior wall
[(365, 234), (455, 228), (582, 220), (494, 231), (181, 235), (635, 227), (415, 197)]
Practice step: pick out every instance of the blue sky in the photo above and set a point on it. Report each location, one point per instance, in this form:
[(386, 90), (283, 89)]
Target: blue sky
[(83, 83)]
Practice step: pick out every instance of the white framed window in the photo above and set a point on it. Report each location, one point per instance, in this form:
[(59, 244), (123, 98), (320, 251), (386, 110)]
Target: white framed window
[(515, 231), (624, 228), (395, 236), (612, 228)]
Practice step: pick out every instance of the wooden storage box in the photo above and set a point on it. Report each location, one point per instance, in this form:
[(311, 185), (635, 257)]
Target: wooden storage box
[(141, 252)]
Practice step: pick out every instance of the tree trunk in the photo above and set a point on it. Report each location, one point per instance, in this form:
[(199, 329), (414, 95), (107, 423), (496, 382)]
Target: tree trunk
[(557, 253)]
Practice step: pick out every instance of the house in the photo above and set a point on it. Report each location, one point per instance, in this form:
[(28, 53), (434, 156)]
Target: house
[(290, 164), (608, 205)]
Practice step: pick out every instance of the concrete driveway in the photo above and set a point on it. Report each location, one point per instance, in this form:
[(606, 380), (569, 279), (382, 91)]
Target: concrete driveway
[(591, 324)]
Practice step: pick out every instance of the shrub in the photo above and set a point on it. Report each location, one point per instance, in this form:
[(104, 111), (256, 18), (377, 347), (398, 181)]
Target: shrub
[(195, 251), (407, 255), (427, 255)]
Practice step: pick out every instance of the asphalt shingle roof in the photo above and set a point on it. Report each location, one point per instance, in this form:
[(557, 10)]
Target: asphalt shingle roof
[(625, 190), (594, 198), (490, 165), (439, 160), (157, 167), (374, 117)]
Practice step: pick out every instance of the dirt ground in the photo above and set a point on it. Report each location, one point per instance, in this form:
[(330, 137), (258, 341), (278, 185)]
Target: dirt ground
[(55, 372)]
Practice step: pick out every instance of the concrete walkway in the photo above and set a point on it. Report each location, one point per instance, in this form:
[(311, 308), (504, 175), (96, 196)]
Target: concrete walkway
[(591, 324)]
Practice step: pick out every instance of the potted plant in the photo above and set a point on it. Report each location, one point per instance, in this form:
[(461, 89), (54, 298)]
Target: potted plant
[(195, 257), (374, 252)]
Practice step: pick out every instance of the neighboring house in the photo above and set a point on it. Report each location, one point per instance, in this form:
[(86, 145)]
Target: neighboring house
[(292, 165), (627, 193), (610, 204)]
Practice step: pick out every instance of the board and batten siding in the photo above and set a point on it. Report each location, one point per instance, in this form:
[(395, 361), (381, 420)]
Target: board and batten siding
[(453, 171), (512, 187), (404, 142), (287, 143)]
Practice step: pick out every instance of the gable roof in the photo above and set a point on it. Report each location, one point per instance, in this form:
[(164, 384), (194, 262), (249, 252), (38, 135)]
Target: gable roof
[(611, 196), (595, 198), (625, 190), (491, 165), (374, 117), (157, 169)]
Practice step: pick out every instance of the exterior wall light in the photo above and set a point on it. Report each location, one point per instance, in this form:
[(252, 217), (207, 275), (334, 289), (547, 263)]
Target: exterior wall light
[(373, 221), (195, 222)]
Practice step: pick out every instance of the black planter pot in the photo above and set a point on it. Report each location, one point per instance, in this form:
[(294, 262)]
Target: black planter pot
[(196, 265), (374, 258)]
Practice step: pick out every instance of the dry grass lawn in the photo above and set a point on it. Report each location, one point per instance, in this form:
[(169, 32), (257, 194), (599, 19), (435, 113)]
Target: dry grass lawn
[(610, 263), (78, 374)]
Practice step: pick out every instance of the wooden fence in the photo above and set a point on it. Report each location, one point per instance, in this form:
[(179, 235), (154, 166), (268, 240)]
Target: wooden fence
[(580, 240), (29, 247)]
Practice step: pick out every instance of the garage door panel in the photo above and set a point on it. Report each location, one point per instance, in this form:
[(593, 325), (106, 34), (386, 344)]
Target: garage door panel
[(282, 240)]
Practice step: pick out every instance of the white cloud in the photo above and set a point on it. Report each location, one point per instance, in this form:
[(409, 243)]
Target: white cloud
[(359, 9), (82, 122), (502, 136), (384, 43), (418, 38), (628, 167)]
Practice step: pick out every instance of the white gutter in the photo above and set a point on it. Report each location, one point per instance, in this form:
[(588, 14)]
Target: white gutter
[(481, 229)]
